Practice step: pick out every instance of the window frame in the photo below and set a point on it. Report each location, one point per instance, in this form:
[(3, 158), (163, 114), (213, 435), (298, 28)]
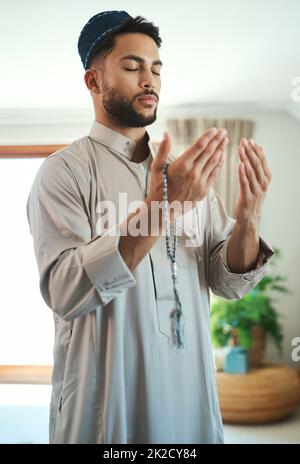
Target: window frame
[(26, 374)]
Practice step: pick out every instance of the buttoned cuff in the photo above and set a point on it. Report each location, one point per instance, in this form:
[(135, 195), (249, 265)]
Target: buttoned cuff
[(105, 266)]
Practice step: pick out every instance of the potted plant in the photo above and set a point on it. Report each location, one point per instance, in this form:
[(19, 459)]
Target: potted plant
[(247, 322)]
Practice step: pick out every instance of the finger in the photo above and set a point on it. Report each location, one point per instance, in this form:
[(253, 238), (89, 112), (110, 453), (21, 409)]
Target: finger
[(200, 145), (161, 157), (214, 160), (215, 172), (253, 183), (255, 160), (209, 151), (244, 183), (260, 152)]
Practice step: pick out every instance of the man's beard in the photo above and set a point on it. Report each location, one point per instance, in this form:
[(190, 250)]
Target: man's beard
[(122, 110)]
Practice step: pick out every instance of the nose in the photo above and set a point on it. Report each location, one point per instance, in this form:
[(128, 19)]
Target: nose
[(148, 80)]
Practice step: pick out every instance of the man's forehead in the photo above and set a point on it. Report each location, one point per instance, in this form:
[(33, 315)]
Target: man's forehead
[(135, 45)]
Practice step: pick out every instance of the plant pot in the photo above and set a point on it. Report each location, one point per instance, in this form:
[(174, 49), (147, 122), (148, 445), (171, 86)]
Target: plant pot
[(257, 350)]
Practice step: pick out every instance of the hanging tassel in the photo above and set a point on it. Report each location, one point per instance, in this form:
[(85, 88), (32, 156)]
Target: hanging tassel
[(176, 314), (177, 325)]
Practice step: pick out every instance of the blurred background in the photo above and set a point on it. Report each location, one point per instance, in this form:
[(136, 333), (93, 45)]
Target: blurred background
[(232, 64)]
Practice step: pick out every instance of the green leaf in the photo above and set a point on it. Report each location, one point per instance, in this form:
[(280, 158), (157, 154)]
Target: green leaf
[(255, 307), (245, 337)]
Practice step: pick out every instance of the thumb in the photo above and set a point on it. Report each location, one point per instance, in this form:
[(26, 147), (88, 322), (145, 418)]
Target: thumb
[(162, 153)]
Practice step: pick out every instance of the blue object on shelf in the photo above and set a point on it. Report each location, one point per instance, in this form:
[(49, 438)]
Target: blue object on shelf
[(236, 361)]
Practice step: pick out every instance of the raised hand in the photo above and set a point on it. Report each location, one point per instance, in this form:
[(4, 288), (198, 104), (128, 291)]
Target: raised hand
[(192, 174), (254, 177)]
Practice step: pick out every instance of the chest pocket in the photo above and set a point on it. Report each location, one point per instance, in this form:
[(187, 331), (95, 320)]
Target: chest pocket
[(164, 309), (187, 259)]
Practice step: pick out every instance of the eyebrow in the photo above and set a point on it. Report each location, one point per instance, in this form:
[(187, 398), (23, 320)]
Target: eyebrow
[(139, 59)]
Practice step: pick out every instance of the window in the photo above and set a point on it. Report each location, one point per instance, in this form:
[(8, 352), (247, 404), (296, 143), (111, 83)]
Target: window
[(26, 326)]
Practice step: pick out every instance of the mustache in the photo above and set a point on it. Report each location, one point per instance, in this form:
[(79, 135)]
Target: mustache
[(148, 93)]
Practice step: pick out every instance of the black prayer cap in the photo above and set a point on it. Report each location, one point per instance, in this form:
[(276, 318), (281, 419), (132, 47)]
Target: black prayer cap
[(96, 30)]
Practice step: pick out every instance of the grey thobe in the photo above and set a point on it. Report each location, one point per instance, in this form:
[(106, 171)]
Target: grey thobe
[(117, 378)]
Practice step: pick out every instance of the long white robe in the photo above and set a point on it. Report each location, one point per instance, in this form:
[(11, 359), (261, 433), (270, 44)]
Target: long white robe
[(117, 377)]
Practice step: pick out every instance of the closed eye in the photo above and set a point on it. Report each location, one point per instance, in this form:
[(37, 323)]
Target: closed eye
[(127, 69)]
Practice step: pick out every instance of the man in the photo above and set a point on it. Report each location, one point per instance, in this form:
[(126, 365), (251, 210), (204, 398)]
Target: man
[(117, 377)]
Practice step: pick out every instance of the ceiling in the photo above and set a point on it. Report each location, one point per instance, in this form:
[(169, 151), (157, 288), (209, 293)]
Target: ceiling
[(214, 51)]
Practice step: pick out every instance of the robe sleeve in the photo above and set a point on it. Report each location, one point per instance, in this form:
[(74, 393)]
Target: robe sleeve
[(78, 272), (223, 282)]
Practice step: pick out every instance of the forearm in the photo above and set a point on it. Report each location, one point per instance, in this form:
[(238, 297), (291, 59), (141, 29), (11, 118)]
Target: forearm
[(85, 277), (243, 247), (133, 247)]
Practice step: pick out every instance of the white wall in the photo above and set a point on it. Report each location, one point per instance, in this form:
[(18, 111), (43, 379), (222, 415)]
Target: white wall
[(280, 134)]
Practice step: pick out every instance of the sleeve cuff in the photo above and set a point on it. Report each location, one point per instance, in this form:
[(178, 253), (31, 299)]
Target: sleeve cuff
[(265, 254), (105, 266)]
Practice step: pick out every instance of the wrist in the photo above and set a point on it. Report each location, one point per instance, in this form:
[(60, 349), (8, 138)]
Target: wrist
[(249, 223)]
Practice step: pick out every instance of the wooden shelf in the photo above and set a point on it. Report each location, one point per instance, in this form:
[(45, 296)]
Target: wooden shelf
[(25, 374), (28, 151)]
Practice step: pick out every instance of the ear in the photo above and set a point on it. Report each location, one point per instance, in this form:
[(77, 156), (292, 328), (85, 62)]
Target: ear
[(93, 80)]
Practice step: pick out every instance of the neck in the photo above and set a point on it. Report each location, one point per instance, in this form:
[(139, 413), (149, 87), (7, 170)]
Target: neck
[(137, 134), (141, 151)]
